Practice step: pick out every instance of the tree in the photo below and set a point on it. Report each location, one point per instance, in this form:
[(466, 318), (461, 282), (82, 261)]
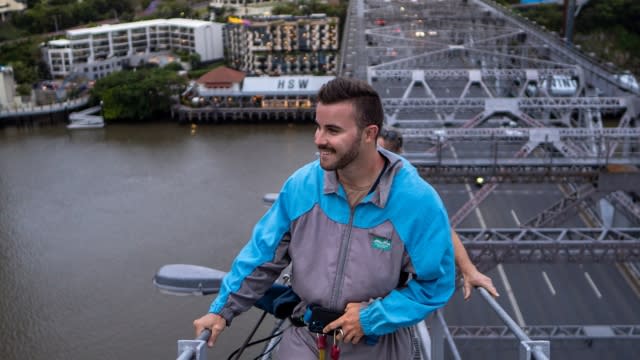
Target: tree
[(23, 73), (23, 90), (140, 95), (44, 16), (174, 66), (174, 8), (194, 59)]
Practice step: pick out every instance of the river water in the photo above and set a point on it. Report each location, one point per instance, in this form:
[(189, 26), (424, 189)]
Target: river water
[(88, 216)]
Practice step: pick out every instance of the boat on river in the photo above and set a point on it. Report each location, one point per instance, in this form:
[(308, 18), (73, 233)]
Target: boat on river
[(85, 120)]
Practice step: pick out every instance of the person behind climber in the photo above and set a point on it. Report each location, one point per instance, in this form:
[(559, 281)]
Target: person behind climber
[(392, 140)]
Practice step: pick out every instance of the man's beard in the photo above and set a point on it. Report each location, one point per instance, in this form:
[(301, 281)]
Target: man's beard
[(346, 159)]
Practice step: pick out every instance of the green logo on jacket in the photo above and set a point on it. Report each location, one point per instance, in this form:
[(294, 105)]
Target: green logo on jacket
[(381, 243)]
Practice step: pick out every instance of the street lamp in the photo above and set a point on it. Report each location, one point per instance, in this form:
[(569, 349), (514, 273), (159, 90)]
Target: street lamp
[(182, 279)]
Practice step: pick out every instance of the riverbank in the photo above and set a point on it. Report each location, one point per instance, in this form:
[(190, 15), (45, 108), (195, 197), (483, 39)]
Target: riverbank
[(219, 115), (183, 116), (49, 119)]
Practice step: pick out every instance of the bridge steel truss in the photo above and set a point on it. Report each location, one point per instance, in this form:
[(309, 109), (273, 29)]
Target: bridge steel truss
[(551, 245), (526, 112), (474, 66), (604, 161), (557, 332)]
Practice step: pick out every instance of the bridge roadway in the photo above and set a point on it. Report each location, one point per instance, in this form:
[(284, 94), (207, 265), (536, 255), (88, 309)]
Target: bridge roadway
[(558, 293)]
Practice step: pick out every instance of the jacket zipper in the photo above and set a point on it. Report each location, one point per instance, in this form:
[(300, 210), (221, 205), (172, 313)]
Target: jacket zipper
[(342, 259)]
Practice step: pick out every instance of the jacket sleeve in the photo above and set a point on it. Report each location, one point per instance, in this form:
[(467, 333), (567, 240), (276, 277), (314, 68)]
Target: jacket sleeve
[(430, 248), (258, 264)]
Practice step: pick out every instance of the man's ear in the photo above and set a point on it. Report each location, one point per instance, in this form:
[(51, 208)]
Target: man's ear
[(371, 132)]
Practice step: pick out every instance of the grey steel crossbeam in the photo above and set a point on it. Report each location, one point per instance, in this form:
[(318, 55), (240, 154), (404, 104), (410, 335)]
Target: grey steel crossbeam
[(474, 134), (510, 174), (587, 102), (550, 332), (503, 166), (520, 74), (529, 172), (431, 103), (541, 103), (551, 245), (564, 141)]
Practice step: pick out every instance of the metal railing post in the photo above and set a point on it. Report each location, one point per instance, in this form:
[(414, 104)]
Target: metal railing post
[(439, 334), (194, 349), (437, 338), (534, 349), (447, 336)]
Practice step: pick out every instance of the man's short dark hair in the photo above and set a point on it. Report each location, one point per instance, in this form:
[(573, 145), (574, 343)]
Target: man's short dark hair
[(366, 101), (393, 138)]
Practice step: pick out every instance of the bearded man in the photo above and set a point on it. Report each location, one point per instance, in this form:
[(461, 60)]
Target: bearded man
[(350, 224)]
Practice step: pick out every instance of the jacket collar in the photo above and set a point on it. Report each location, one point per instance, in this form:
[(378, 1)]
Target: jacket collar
[(380, 195)]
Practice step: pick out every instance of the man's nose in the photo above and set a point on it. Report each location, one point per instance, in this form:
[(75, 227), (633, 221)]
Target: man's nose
[(319, 138)]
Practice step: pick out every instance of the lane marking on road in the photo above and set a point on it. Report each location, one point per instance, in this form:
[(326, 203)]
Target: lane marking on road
[(503, 274), (512, 297), (593, 285), (549, 284), (515, 217)]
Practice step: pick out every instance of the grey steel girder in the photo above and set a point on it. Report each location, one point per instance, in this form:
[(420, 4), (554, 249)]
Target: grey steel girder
[(490, 142), (530, 174), (515, 174), (529, 112), (519, 167), (551, 332), (475, 134), (506, 104), (551, 245), (558, 103), (515, 74)]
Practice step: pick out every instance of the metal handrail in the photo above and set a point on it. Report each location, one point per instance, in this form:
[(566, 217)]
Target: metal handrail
[(452, 345), (525, 341)]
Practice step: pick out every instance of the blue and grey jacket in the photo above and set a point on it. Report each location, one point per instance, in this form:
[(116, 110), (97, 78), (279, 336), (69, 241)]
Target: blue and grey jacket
[(341, 255)]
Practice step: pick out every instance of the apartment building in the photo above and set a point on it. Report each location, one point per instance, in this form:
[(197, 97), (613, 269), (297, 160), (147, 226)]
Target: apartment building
[(221, 3), (249, 3), (284, 44), (99, 51)]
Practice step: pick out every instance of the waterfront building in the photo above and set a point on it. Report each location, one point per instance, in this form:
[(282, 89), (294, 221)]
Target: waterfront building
[(225, 94), (283, 45), (101, 50), (8, 7), (221, 80), (7, 86)]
